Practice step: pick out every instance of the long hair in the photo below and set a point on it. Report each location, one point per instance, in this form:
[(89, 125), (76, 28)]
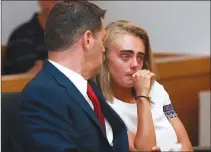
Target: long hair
[(114, 30)]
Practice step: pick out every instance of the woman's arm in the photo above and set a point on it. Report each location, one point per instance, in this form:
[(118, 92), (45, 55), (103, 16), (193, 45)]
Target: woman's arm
[(131, 137), (181, 134), (145, 136), (144, 139)]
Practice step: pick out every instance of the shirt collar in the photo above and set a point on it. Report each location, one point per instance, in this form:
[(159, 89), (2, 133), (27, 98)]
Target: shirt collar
[(77, 79)]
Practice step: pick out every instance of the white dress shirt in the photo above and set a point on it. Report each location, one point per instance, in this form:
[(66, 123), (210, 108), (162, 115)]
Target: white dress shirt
[(81, 84)]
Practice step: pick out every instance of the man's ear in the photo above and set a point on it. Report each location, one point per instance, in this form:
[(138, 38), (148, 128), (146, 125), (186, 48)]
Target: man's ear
[(88, 39)]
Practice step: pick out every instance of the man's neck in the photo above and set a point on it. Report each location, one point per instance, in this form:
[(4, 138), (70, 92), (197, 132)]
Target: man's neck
[(73, 62)]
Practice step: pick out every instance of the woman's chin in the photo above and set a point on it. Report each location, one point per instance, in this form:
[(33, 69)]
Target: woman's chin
[(129, 84)]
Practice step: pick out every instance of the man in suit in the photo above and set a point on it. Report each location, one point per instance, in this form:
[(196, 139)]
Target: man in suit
[(61, 109)]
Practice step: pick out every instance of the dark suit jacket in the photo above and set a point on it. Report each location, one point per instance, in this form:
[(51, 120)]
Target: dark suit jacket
[(60, 119)]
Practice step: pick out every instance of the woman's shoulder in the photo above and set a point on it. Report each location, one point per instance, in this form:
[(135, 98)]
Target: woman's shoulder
[(157, 87), (157, 92)]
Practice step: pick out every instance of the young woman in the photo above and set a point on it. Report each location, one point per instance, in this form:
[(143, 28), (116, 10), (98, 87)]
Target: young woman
[(131, 90)]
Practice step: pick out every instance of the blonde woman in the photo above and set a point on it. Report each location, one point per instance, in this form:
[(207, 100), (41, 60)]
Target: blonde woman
[(130, 89)]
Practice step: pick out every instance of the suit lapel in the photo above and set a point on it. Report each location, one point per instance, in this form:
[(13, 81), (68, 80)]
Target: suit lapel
[(120, 138), (82, 102), (73, 92), (114, 120)]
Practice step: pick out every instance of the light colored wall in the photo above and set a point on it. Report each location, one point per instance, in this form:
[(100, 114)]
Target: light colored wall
[(180, 27), (15, 13)]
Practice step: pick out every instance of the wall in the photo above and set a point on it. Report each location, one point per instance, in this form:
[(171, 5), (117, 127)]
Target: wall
[(178, 27), (14, 13)]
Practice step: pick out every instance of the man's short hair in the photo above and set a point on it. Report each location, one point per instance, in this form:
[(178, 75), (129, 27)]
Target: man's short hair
[(68, 20)]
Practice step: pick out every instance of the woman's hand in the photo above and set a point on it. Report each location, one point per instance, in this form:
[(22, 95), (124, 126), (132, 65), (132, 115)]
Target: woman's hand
[(143, 80)]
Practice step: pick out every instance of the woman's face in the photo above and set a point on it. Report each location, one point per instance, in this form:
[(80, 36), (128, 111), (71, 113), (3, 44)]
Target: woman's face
[(125, 57)]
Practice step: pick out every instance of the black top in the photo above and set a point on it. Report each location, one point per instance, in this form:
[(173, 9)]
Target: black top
[(25, 46)]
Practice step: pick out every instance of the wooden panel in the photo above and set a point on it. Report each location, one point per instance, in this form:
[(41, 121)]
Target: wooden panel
[(15, 83), (182, 66), (183, 79), (167, 54)]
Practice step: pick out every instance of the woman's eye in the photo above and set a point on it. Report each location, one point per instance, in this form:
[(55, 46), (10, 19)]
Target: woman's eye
[(140, 58), (125, 57)]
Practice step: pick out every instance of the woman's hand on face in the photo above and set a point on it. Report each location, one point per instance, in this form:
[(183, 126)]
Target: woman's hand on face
[(142, 82)]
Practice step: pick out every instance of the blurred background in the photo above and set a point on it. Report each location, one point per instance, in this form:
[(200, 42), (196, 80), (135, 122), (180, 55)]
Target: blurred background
[(180, 37), (178, 27)]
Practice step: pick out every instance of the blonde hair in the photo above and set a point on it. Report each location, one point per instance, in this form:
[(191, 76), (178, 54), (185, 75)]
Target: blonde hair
[(115, 29)]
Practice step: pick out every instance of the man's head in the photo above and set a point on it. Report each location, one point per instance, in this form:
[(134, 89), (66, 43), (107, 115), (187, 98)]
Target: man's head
[(77, 26)]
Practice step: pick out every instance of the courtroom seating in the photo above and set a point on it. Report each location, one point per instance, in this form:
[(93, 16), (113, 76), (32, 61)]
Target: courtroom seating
[(162, 55), (12, 127), (15, 82), (201, 149), (9, 124), (183, 77)]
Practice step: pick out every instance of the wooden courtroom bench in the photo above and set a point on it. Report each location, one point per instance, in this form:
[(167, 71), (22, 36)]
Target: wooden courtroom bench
[(184, 77), (161, 55), (14, 83)]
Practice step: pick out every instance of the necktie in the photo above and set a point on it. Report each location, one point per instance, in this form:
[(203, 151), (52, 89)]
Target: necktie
[(96, 103)]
